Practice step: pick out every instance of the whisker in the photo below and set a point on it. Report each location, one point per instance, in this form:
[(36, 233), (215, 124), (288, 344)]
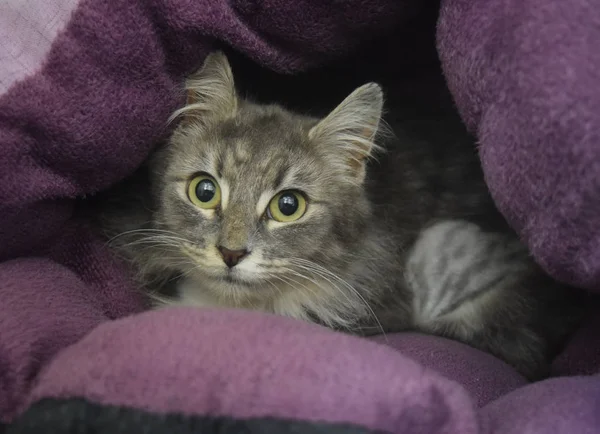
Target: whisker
[(275, 287), (324, 277), (328, 321), (331, 283), (316, 268), (293, 281), (289, 280), (141, 231)]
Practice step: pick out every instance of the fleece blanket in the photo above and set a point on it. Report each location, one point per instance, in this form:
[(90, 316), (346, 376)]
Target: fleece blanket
[(85, 89)]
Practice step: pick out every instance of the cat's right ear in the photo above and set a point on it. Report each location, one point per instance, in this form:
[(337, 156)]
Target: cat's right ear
[(211, 93)]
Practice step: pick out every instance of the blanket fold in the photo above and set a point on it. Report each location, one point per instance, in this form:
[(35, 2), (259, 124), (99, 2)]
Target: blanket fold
[(524, 76), (276, 368)]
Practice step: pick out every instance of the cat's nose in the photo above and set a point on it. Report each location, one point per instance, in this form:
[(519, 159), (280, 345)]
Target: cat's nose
[(232, 257)]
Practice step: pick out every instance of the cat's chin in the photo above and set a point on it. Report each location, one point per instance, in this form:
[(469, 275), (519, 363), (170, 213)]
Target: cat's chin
[(236, 278), (216, 291)]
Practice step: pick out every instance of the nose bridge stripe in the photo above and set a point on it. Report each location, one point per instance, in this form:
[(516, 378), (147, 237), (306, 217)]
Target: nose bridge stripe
[(236, 228)]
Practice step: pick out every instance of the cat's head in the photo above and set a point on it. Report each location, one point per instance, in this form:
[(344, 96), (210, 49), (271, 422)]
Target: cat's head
[(255, 195)]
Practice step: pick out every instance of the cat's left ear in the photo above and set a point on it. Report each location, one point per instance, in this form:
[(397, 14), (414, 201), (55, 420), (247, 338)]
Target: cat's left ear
[(349, 131), (211, 93)]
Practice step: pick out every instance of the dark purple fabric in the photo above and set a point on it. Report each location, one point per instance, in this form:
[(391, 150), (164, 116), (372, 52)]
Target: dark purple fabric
[(524, 75), (582, 355)]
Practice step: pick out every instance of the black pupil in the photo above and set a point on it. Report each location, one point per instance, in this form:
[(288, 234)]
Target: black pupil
[(205, 190), (288, 204)]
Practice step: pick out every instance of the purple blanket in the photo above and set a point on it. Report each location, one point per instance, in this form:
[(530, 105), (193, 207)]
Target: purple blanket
[(85, 90)]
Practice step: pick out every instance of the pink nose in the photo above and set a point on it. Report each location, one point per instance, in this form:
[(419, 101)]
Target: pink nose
[(232, 257)]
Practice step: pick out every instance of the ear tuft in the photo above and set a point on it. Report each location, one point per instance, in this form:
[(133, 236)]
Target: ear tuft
[(210, 91), (351, 128)]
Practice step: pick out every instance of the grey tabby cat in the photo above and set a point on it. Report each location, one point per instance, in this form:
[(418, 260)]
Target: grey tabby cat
[(256, 207)]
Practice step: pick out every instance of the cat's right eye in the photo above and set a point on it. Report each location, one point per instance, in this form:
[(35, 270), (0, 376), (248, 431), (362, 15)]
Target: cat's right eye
[(204, 191)]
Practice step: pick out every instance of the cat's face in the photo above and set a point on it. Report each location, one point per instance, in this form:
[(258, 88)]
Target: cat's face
[(255, 196)]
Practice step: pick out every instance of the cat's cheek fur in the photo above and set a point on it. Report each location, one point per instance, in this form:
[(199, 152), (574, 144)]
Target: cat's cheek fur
[(301, 238)]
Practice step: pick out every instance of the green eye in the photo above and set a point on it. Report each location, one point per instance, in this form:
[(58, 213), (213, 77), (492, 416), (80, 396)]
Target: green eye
[(204, 192), (287, 206)]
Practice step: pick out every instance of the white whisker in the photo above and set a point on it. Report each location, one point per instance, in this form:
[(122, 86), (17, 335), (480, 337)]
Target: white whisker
[(311, 266)]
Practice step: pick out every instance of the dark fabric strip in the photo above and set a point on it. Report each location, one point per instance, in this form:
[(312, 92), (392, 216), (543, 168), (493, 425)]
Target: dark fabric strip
[(77, 416)]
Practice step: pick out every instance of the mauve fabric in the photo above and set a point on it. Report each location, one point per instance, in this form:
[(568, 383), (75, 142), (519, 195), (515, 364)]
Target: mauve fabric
[(248, 365), (484, 376), (85, 107), (48, 303), (524, 75)]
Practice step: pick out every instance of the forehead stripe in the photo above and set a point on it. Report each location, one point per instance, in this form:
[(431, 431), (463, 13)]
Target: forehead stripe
[(280, 177)]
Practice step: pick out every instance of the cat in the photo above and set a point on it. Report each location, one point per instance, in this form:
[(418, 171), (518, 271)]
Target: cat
[(344, 220)]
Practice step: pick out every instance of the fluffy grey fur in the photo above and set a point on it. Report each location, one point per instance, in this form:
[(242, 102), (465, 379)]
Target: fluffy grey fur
[(410, 242)]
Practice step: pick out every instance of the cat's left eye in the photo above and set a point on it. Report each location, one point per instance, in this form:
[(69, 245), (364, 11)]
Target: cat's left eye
[(287, 206), (204, 191)]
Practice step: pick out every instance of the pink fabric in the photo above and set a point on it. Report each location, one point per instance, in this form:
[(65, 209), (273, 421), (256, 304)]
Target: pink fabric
[(27, 30)]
